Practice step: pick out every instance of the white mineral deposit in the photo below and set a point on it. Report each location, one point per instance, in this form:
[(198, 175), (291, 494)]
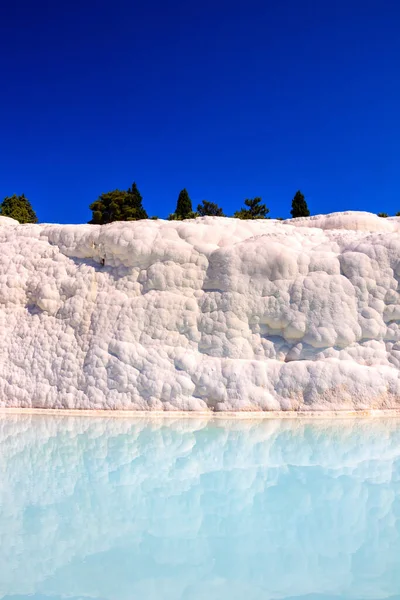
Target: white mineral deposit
[(211, 314)]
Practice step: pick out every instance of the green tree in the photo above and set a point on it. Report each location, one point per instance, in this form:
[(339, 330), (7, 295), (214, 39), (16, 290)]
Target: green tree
[(133, 207), (118, 205), (209, 209), (383, 215), (19, 208), (299, 206), (108, 207), (254, 210), (184, 206)]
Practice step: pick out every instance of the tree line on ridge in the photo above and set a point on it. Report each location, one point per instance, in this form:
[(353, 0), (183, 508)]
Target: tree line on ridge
[(127, 205)]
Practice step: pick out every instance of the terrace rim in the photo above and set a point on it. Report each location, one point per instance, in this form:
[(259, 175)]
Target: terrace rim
[(223, 415)]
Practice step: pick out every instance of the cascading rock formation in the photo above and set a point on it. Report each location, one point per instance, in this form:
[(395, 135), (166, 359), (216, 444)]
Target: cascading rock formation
[(211, 314)]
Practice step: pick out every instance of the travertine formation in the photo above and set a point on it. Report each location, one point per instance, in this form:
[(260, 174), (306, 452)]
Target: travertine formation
[(207, 314)]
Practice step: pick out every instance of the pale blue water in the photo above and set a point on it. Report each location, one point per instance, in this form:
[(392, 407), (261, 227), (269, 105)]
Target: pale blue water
[(119, 509)]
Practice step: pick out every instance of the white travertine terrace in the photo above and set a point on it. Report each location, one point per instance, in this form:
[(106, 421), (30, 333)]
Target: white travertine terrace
[(207, 314)]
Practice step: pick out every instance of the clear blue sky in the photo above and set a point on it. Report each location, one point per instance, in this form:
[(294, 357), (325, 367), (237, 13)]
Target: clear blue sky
[(228, 99)]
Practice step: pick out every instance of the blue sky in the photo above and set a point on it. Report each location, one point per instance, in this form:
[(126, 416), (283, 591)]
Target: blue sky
[(230, 99)]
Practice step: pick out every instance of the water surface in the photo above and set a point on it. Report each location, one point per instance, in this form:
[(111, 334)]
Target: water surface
[(118, 509)]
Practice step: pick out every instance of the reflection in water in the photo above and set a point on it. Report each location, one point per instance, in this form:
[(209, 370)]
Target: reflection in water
[(118, 509)]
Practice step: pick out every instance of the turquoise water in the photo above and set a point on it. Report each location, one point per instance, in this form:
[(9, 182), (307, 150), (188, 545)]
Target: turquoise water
[(118, 509)]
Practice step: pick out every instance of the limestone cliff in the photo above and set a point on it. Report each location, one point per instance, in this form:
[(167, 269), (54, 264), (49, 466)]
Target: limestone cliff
[(212, 313)]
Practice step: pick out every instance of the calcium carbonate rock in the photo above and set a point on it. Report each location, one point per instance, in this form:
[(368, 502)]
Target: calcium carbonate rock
[(207, 314)]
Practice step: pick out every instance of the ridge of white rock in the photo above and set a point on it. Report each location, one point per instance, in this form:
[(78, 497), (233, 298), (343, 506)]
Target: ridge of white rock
[(206, 314)]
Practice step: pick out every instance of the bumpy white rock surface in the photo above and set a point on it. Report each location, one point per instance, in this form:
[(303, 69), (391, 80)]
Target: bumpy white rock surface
[(210, 314)]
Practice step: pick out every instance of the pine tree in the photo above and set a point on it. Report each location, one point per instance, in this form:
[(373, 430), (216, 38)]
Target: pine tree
[(18, 208), (299, 206), (184, 205), (254, 210), (383, 215), (133, 209), (118, 205), (209, 209), (108, 207)]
